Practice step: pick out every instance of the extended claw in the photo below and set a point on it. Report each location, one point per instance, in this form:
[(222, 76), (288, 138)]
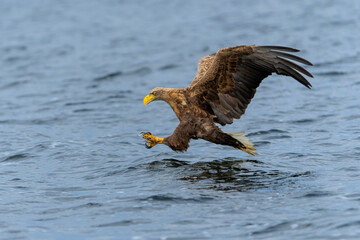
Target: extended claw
[(148, 146), (151, 141), (149, 137), (144, 133)]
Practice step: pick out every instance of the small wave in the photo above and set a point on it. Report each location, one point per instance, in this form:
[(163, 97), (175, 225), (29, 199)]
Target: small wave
[(353, 117), (292, 155), (295, 175), (261, 143), (283, 226), (265, 132), (167, 67), (303, 121), (109, 172), (317, 194), (108, 76), (59, 210), (66, 189), (274, 228), (140, 71), (16, 157), (15, 48), (168, 163), (124, 223), (13, 84), (15, 59), (331, 73), (172, 198), (353, 195), (278, 137), (62, 50), (349, 224), (81, 110), (117, 172), (46, 121), (87, 205)]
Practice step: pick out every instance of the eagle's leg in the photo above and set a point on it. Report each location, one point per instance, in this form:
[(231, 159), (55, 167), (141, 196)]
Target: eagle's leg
[(151, 140)]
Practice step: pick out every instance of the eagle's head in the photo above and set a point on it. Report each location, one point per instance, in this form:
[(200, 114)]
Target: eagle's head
[(158, 93)]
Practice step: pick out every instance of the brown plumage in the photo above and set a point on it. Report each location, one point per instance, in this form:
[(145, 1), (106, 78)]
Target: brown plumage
[(223, 87)]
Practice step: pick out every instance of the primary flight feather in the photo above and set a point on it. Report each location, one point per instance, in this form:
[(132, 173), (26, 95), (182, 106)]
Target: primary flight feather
[(223, 87)]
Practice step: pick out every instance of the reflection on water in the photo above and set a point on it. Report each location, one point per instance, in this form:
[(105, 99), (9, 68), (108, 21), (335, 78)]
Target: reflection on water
[(229, 174)]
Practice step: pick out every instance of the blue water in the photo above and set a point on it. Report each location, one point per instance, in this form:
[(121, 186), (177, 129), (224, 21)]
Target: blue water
[(72, 166)]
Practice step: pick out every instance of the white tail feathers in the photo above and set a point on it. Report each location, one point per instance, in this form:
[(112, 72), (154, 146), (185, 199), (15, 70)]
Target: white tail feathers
[(245, 141)]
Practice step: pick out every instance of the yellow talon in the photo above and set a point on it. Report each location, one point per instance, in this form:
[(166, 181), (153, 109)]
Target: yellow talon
[(151, 141)]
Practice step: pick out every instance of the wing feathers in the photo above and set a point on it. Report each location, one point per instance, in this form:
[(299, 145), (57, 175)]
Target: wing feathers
[(231, 103), (293, 65), (289, 56), (285, 70), (279, 48), (226, 82), (221, 117)]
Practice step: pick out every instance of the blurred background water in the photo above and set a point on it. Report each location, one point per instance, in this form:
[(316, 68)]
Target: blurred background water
[(72, 79)]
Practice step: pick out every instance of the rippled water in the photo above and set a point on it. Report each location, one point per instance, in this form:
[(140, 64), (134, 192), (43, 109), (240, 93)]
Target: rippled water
[(72, 166)]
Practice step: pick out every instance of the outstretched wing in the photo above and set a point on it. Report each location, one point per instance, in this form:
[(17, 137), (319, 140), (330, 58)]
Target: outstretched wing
[(230, 82)]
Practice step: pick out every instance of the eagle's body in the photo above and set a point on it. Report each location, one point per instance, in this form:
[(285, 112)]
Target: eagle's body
[(223, 87)]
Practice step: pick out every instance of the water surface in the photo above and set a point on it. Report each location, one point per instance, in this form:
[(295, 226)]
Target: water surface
[(72, 166)]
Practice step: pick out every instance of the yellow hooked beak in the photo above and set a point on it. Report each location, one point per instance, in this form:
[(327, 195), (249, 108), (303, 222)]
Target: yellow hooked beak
[(148, 99)]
